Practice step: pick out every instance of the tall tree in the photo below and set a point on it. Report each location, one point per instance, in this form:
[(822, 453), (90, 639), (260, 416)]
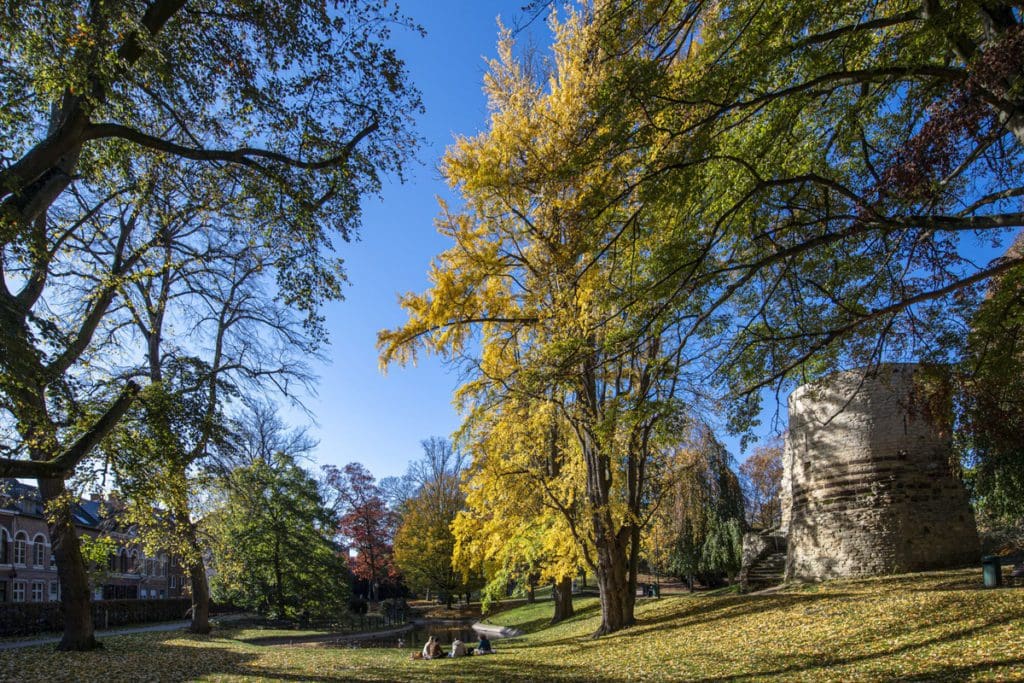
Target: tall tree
[(424, 543), (211, 277), (296, 106), (271, 536), (538, 270), (53, 296), (991, 406), (841, 170), (703, 510), (366, 524)]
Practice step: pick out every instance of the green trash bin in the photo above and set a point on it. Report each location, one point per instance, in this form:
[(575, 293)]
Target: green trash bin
[(992, 571)]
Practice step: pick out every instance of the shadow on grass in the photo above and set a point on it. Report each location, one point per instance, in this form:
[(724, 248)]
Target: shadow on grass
[(938, 671), (173, 658), (701, 612)]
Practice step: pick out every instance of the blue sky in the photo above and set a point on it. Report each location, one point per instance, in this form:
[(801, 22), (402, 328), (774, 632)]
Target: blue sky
[(361, 414)]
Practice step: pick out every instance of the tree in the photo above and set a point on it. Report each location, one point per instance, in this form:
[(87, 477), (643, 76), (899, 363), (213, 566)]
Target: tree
[(295, 107), (271, 542), (210, 276), (761, 474), (55, 291), (424, 542), (703, 511), (991, 396), (836, 166), (365, 523), (536, 270), (524, 491)]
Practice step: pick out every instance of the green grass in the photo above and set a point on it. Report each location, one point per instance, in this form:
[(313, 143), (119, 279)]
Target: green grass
[(935, 626)]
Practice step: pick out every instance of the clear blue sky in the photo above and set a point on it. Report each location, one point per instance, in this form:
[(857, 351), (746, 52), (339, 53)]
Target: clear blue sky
[(363, 415)]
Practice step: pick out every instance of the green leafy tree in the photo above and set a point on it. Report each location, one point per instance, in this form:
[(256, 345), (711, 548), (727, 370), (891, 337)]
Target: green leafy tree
[(837, 167), (991, 402), (702, 516), (293, 108), (271, 543)]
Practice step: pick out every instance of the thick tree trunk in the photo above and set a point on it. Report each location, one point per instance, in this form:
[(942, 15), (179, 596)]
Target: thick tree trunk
[(197, 579), (74, 581), (561, 591), (612, 569), (200, 597), (614, 587)]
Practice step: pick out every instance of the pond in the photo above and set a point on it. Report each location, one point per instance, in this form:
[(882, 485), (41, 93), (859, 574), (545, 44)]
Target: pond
[(444, 631)]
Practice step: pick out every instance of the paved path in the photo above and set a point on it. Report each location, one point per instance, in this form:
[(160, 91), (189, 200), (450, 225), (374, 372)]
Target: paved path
[(46, 640)]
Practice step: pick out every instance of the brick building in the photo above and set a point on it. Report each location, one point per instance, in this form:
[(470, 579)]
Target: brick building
[(28, 571)]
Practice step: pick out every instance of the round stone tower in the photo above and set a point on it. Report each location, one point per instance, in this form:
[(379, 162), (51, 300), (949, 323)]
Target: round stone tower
[(869, 485)]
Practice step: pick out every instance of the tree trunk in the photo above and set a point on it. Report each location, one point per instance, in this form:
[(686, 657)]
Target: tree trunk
[(74, 580), (197, 579), (613, 571), (531, 596), (200, 597), (278, 578), (613, 585), (561, 591)]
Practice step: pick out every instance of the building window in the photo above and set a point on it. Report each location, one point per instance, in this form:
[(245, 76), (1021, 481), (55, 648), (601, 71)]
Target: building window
[(174, 582), (20, 542), (19, 591), (38, 550), (53, 561), (3, 592), (37, 591), (162, 594), (4, 541)]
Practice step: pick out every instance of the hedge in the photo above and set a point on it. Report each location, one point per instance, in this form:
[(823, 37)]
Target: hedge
[(26, 618)]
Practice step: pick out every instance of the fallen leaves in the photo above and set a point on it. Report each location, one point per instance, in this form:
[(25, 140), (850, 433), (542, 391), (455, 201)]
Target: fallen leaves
[(938, 626)]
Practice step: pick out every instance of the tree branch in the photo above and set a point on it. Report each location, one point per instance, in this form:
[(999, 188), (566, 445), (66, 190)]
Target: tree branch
[(64, 464)]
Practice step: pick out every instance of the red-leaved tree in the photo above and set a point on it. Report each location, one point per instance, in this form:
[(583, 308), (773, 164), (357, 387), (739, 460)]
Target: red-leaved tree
[(365, 524)]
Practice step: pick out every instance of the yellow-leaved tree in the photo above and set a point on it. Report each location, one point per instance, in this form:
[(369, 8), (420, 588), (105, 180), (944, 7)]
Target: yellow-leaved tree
[(537, 299), (524, 496)]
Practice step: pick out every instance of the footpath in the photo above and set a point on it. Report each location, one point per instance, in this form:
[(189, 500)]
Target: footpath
[(100, 633)]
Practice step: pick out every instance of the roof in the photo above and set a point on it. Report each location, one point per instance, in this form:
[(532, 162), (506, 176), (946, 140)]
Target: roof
[(24, 499)]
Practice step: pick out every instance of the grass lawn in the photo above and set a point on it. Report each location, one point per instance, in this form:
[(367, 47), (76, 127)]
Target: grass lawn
[(926, 627)]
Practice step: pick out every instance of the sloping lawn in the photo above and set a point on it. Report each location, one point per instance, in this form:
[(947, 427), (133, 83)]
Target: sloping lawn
[(935, 626)]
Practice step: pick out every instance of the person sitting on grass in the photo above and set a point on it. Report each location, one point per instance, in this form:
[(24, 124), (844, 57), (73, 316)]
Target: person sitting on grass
[(432, 649), (458, 648), (484, 646)]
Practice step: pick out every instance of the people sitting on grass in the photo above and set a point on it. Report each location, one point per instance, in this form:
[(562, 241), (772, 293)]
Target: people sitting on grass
[(484, 646), (432, 649), (458, 649)]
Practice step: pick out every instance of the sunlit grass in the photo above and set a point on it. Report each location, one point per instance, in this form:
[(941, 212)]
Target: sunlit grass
[(936, 626)]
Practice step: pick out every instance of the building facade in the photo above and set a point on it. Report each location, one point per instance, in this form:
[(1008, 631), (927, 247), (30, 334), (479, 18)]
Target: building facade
[(28, 569)]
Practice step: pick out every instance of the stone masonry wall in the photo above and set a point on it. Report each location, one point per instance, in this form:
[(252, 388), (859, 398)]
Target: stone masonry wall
[(869, 483)]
